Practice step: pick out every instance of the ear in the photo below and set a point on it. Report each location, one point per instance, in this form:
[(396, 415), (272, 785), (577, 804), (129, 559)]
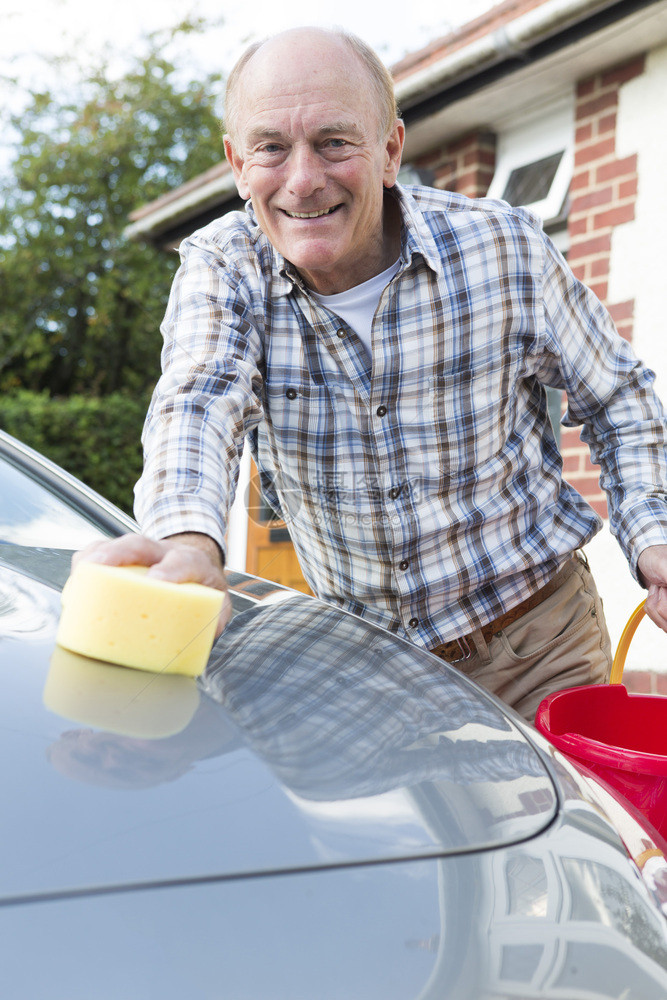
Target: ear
[(237, 163), (393, 153)]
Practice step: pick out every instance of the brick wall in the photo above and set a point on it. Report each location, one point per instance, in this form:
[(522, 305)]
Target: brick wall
[(465, 165), (602, 196), (645, 681)]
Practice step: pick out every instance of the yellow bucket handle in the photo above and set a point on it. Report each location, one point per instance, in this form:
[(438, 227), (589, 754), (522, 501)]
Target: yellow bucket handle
[(624, 644)]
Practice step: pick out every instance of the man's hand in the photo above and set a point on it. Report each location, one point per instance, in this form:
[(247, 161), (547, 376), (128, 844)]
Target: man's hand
[(652, 566), (186, 558)]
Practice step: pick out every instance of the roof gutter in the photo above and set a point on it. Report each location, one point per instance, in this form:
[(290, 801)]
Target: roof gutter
[(510, 40)]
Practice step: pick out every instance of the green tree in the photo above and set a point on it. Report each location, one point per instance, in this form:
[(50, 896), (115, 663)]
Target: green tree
[(80, 306)]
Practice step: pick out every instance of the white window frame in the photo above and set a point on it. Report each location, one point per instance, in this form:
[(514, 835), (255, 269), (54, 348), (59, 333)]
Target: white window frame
[(532, 135)]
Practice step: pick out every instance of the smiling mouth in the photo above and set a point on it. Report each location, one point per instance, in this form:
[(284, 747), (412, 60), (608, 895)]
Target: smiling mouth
[(310, 215)]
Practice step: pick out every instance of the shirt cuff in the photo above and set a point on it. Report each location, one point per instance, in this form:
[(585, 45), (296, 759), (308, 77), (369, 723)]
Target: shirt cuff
[(165, 519), (645, 524)]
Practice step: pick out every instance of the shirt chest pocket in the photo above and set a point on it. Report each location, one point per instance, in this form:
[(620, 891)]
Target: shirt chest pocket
[(462, 418)]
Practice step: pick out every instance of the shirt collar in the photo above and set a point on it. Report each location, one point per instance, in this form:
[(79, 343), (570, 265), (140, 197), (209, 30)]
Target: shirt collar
[(416, 238), (416, 235), (284, 275)]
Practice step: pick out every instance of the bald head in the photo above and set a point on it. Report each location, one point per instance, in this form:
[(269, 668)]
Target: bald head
[(313, 148), (261, 56)]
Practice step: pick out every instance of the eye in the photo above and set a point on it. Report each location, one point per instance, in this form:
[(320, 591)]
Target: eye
[(269, 153)]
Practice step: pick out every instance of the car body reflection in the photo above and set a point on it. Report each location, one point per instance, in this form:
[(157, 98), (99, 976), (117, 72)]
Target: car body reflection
[(327, 813)]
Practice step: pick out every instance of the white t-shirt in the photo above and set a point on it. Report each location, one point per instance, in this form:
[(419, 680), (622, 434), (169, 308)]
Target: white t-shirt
[(357, 305)]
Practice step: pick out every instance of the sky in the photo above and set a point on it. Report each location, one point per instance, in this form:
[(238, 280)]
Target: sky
[(30, 27)]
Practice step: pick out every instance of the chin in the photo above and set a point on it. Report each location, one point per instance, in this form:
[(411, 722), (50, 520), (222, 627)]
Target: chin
[(307, 258)]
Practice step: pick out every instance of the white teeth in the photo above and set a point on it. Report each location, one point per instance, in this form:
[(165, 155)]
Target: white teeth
[(309, 215)]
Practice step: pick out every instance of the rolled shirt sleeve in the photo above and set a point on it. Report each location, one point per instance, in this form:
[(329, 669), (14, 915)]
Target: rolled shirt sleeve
[(610, 392), (206, 401)]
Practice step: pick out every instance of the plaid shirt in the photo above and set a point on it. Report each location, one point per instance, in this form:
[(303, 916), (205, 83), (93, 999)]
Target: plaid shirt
[(422, 488)]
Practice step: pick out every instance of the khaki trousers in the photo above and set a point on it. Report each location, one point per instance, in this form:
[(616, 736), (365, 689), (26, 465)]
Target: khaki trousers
[(562, 643)]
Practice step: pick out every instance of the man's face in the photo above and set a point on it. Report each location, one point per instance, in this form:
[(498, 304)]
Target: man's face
[(309, 154)]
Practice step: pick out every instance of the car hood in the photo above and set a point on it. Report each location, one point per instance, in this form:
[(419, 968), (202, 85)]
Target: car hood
[(313, 740)]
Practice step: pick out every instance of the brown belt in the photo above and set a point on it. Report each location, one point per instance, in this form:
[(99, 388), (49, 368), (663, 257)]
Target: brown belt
[(457, 650)]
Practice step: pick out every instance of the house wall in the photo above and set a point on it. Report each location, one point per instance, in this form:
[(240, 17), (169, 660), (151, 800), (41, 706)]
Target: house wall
[(616, 192), (465, 165), (617, 223), (638, 263), (603, 194), (639, 248)]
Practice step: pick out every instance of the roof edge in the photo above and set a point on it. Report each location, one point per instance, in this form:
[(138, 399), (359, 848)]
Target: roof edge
[(163, 213)]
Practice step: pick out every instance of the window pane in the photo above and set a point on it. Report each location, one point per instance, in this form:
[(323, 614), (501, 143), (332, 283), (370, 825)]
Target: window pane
[(526, 886), (519, 962), (532, 182), (594, 970), (555, 405)]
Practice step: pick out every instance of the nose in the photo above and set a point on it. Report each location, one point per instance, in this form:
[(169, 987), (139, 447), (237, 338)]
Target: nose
[(306, 172)]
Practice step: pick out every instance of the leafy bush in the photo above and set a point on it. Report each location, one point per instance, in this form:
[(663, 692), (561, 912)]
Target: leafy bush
[(81, 305), (96, 439)]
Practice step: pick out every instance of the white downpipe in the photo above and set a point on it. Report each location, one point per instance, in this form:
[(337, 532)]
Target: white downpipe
[(237, 530)]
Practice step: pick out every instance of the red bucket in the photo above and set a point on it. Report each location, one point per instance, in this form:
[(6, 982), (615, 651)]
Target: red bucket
[(621, 737)]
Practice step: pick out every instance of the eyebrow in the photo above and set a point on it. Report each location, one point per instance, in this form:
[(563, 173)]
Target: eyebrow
[(335, 128), (342, 126), (264, 133)]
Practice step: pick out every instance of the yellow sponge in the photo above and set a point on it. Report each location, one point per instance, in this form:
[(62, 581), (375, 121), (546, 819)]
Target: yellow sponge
[(121, 615)]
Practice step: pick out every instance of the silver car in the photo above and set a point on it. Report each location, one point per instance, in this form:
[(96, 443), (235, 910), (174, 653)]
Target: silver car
[(328, 813)]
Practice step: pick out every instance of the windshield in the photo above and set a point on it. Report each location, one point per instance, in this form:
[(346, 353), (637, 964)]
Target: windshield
[(31, 515)]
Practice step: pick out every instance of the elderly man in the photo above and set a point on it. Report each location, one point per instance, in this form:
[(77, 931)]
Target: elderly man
[(385, 349)]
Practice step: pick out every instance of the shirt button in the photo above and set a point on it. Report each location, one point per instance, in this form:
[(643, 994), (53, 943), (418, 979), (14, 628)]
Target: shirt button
[(291, 393), (340, 333), (404, 563), (394, 492), (413, 623), (381, 411)]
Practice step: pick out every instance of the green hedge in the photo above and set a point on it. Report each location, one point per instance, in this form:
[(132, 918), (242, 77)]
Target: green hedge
[(97, 439)]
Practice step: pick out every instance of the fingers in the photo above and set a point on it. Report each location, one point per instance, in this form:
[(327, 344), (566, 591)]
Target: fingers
[(184, 563), (656, 605), (652, 566), (177, 562), (127, 550)]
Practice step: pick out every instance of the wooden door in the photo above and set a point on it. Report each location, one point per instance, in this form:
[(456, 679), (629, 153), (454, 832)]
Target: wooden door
[(270, 552)]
